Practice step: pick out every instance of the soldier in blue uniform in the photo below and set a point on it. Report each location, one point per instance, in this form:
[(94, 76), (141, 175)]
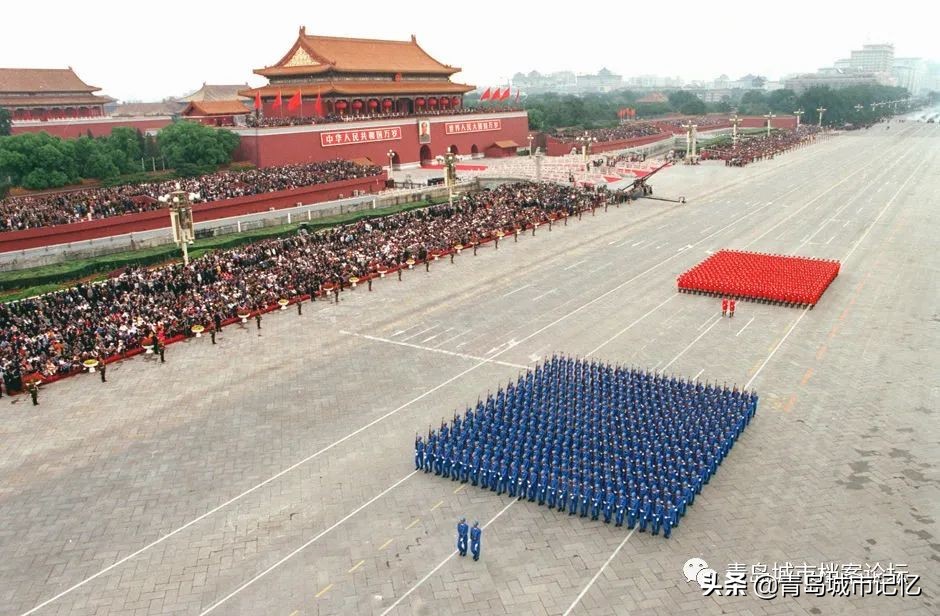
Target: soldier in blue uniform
[(610, 504), (476, 534), (622, 504), (462, 530), (419, 453)]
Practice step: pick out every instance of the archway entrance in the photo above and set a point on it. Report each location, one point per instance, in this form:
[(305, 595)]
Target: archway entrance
[(453, 149), (395, 161), (474, 150), (425, 154)]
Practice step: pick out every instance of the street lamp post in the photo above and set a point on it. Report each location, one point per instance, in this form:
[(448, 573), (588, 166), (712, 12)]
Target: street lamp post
[(450, 176), (181, 217), (735, 122), (391, 161), (586, 142), (769, 117), (820, 111), (798, 113), (690, 141), (530, 144)]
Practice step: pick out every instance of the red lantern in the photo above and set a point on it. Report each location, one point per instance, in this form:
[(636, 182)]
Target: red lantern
[(387, 103), (445, 101), (432, 102), (340, 105), (419, 102), (373, 104), (357, 105)]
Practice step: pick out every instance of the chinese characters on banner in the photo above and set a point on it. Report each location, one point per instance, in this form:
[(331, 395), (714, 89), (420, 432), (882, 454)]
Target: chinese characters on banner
[(345, 137), (472, 126)]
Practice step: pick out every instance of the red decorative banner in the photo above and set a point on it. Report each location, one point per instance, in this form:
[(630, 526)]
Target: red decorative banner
[(472, 126), (345, 137)]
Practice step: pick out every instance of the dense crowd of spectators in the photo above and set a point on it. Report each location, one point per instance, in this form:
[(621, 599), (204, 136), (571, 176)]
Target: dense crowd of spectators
[(46, 210), (755, 148), (52, 334), (333, 118), (701, 122), (631, 130)]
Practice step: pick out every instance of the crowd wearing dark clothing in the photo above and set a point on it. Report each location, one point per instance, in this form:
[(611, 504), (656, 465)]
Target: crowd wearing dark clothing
[(52, 334), (17, 213), (750, 149), (617, 133)]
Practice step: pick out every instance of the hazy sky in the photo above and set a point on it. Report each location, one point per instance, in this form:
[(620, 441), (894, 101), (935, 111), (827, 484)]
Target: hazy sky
[(146, 51)]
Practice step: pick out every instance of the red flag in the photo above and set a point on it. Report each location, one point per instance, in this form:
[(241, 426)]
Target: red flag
[(506, 93), (318, 107), (295, 101), (277, 101), (257, 100), (486, 95)]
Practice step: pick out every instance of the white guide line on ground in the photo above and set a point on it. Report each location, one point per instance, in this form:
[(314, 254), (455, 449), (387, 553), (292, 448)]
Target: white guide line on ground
[(881, 213), (625, 329), (419, 347), (308, 543), (849, 202), (443, 562), (745, 326), (770, 356), (812, 201), (691, 344), (584, 590), (368, 425), (516, 290)]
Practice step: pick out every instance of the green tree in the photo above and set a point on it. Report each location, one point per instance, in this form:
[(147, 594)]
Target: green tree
[(190, 143), (5, 122), (680, 98), (536, 119), (124, 149), (782, 101)]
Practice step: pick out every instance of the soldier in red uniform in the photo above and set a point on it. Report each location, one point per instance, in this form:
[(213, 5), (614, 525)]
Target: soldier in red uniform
[(724, 306), (731, 307)]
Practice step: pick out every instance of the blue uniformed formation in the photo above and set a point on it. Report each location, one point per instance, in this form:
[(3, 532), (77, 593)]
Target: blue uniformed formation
[(594, 439)]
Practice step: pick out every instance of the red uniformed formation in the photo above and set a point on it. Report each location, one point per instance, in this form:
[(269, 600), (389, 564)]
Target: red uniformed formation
[(752, 275)]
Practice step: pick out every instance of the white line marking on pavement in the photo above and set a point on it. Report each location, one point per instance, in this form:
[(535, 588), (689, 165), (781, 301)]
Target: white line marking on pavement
[(776, 347), (584, 590), (883, 210), (419, 333), (305, 545), (810, 202), (745, 327), (697, 338), (846, 224), (698, 374), (443, 342), (433, 349), (830, 240), (707, 321), (618, 334), (573, 265), (706, 229), (402, 331), (442, 563), (525, 286)]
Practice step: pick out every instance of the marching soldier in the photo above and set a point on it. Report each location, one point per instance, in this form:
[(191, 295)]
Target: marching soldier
[(731, 307), (34, 392), (476, 534), (724, 306), (104, 368), (462, 530)]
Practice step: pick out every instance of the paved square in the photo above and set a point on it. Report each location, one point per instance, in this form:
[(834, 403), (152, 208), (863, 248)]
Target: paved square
[(273, 473)]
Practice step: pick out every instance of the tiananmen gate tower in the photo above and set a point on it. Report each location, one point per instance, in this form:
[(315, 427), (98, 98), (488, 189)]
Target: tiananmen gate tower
[(388, 101)]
